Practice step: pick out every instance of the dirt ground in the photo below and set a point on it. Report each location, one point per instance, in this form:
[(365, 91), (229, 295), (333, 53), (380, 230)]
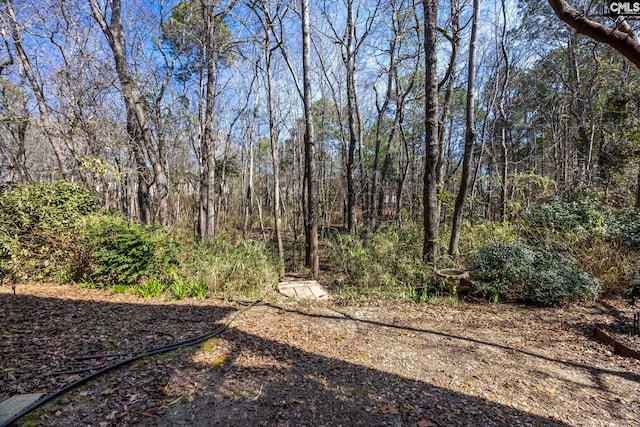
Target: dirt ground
[(289, 364)]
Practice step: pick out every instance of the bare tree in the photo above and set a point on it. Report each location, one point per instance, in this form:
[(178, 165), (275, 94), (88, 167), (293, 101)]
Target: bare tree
[(266, 20), (36, 87), (351, 43), (206, 207), (503, 116), (311, 220)]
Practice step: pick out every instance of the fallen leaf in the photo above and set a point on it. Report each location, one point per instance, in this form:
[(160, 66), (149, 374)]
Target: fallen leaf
[(388, 409)]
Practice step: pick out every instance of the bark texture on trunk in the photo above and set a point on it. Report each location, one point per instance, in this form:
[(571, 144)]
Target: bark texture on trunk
[(138, 128), (430, 189)]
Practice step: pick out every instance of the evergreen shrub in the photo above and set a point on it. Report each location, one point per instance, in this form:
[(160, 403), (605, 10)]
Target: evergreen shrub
[(37, 231), (519, 272)]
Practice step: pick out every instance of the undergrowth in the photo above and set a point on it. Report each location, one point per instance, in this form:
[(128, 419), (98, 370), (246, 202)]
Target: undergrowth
[(548, 255), (383, 264), (519, 272), (57, 231)]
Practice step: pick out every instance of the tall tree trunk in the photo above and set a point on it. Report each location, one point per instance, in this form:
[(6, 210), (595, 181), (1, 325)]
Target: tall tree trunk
[(248, 207), (376, 192), (311, 229), (349, 59), (504, 173), (430, 189), (503, 115), (579, 112), (469, 137), (142, 171), (206, 218), (448, 82)]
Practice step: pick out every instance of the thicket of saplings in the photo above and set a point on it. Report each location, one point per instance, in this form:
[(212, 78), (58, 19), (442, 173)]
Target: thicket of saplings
[(565, 250)]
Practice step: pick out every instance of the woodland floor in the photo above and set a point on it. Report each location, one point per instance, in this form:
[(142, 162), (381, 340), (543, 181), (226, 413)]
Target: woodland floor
[(288, 364)]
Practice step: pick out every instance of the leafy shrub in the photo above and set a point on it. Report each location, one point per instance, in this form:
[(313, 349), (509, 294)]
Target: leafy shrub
[(625, 227), (37, 227), (198, 289), (596, 235), (580, 220), (55, 230), (474, 236), (519, 272), (179, 289), (567, 221), (45, 206), (125, 252), (150, 288), (6, 268)]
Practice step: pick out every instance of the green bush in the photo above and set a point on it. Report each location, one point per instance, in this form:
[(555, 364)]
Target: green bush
[(56, 231), (571, 222), (150, 288), (5, 256), (519, 272), (567, 221), (625, 226), (596, 235), (473, 236), (37, 232), (118, 251), (45, 206)]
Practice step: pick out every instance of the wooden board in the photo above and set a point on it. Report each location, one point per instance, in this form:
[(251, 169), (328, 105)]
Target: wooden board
[(302, 289), (15, 404), (618, 347)]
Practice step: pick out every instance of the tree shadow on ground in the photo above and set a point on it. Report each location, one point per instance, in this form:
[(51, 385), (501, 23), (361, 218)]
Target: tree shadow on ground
[(41, 339), (303, 389), (593, 371), (285, 386)]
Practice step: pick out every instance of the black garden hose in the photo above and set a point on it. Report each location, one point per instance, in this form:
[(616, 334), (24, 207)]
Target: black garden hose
[(159, 350)]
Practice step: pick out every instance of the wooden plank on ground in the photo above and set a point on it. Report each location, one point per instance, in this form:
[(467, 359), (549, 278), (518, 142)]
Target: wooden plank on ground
[(302, 289), (15, 404), (303, 292), (319, 292)]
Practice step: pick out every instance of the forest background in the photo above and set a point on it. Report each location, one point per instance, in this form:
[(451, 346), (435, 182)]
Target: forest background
[(202, 148)]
